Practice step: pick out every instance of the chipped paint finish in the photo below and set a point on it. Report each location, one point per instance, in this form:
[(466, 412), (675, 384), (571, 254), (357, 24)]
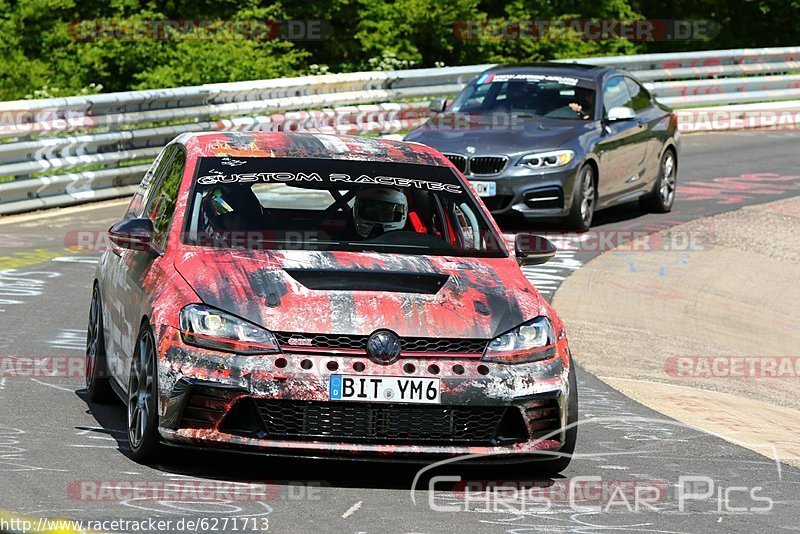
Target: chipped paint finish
[(319, 448), (240, 282), (261, 377), (308, 145), (480, 299)]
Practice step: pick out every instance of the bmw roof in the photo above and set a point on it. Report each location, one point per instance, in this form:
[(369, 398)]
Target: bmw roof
[(578, 70)]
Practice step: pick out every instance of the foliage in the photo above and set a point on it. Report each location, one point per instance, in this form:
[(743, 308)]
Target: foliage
[(53, 47)]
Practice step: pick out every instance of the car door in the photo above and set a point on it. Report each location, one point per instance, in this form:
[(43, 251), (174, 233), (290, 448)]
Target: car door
[(622, 148), (137, 265), (652, 119)]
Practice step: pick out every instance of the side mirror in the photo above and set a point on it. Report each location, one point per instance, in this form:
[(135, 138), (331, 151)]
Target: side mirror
[(620, 113), (437, 105), (532, 249), (134, 234)]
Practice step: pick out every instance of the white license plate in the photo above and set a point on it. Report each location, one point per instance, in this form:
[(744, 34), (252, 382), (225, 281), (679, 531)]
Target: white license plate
[(385, 389), (485, 189)]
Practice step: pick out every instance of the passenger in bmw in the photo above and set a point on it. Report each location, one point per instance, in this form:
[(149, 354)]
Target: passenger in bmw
[(583, 104)]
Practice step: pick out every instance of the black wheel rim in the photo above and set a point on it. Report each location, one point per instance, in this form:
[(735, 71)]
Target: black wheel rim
[(140, 390), (93, 338)]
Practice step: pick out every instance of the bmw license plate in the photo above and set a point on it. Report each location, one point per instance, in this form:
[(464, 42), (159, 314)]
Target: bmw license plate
[(485, 189), (385, 389)]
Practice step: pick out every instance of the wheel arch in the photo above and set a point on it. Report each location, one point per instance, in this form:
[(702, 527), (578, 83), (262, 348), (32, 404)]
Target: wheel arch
[(670, 145)]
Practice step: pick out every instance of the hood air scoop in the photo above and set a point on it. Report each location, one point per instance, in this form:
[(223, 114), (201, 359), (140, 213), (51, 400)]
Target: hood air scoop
[(369, 280)]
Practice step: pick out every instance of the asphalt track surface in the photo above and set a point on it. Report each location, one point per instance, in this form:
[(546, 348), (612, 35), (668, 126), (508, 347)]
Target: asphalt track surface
[(51, 439)]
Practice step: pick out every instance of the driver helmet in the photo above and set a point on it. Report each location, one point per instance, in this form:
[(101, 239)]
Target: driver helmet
[(379, 208), (228, 209)]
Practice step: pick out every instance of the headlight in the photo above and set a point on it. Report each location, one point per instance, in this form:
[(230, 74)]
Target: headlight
[(529, 342), (543, 160), (214, 329)]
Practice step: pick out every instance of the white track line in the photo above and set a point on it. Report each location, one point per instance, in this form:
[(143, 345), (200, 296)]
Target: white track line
[(353, 509)]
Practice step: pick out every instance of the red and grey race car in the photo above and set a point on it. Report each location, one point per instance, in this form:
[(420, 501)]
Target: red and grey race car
[(322, 295)]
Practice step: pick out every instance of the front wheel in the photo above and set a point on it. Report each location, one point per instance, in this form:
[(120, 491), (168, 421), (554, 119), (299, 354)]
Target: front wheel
[(584, 200), (143, 437), (662, 197)]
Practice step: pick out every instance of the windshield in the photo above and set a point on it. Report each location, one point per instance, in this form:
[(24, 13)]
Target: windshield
[(535, 95), (308, 204)]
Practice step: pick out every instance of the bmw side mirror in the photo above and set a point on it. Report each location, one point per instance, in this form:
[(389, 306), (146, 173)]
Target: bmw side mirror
[(620, 113), (134, 234), (532, 249), (437, 105)]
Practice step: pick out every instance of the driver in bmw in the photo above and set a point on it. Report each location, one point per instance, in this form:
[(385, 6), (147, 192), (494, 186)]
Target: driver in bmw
[(378, 210)]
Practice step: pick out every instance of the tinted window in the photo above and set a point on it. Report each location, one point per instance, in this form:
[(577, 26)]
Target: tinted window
[(616, 94), (161, 205), (553, 97), (640, 98), (321, 204), (145, 191)]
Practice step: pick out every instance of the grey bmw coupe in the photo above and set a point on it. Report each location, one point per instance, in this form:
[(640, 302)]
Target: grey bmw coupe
[(558, 141)]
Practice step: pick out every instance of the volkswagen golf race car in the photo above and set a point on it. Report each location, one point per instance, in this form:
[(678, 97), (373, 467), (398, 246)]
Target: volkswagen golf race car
[(321, 296)]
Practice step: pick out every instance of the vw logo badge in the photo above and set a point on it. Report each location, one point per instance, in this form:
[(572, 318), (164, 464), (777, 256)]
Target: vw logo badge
[(383, 346)]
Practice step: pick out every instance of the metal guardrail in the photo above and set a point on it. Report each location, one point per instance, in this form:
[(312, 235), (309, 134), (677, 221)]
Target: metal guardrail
[(62, 151)]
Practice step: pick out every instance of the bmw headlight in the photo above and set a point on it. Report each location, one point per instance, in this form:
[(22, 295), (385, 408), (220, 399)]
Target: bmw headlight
[(210, 328), (545, 160), (529, 342)]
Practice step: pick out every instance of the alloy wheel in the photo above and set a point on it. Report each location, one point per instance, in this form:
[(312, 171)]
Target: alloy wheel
[(140, 391)]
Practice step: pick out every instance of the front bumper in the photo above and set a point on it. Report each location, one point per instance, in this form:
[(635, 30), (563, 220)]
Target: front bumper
[(535, 195), (279, 404)]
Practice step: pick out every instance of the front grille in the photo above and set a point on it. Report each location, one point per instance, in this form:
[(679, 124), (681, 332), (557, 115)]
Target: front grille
[(410, 344), (487, 164), (459, 161), (388, 423)]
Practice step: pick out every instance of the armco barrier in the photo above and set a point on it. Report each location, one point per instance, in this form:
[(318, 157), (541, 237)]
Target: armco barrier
[(61, 151)]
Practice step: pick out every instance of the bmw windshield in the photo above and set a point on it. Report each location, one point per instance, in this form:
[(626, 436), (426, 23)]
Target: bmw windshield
[(535, 95), (323, 204)]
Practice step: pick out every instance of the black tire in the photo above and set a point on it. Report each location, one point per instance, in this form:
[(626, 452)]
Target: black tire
[(584, 200), (98, 379), (559, 463), (142, 405), (661, 198)]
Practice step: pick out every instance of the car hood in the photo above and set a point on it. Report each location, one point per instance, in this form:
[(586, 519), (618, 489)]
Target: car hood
[(496, 134), (358, 293)]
